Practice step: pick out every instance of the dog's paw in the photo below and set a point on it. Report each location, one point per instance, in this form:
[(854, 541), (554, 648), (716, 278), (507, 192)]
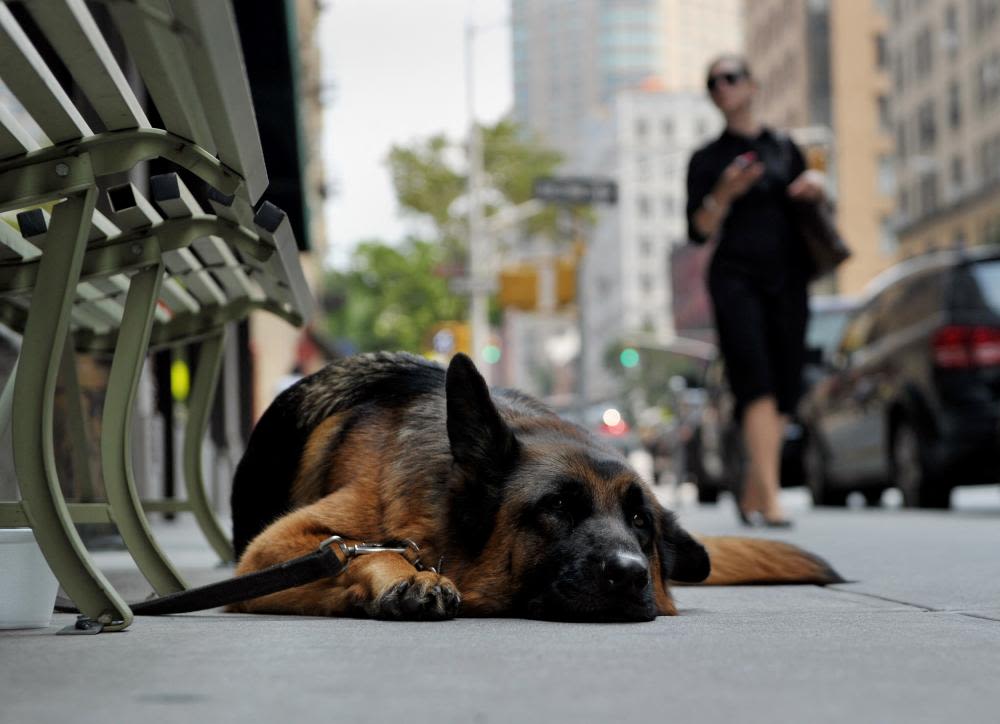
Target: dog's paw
[(424, 596)]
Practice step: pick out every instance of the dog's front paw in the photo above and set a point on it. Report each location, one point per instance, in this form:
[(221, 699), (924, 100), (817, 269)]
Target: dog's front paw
[(424, 596)]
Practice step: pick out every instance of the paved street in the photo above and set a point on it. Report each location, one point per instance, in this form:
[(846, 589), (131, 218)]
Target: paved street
[(915, 637)]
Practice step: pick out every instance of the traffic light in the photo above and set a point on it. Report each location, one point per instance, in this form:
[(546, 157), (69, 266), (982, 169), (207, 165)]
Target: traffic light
[(519, 287), (448, 338), (566, 280)]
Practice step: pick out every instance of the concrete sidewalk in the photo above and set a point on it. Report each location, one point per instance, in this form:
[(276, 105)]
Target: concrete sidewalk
[(915, 638)]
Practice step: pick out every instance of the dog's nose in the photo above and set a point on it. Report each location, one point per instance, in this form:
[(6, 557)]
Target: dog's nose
[(624, 572)]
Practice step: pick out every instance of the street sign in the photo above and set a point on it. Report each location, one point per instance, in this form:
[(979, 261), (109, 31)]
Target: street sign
[(575, 190)]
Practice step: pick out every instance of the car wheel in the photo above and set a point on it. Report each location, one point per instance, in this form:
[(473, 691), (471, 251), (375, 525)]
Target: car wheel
[(909, 471), (707, 494), (815, 465)]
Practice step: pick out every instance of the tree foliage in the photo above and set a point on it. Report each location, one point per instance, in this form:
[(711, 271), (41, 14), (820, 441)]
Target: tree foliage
[(391, 296)]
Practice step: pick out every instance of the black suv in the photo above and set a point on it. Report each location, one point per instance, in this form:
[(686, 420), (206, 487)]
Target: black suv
[(715, 452), (912, 399)]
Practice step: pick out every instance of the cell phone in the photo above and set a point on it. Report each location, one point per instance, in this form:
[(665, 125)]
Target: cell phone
[(745, 159)]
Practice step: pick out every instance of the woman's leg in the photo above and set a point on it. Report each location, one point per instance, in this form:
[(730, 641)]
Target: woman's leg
[(763, 434)]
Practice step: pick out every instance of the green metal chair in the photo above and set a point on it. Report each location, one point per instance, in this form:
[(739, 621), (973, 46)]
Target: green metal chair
[(153, 272)]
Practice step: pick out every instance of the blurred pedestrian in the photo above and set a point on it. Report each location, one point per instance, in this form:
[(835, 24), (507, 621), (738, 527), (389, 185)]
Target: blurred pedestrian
[(740, 190)]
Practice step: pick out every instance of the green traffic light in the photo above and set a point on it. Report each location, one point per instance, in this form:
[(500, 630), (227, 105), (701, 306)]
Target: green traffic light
[(629, 357), (491, 354)]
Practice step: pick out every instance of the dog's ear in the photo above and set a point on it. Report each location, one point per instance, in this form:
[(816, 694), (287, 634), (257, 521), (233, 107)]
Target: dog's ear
[(484, 449), (682, 558), (479, 438)]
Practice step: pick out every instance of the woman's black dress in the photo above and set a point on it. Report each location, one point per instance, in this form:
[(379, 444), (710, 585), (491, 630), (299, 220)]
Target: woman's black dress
[(759, 273)]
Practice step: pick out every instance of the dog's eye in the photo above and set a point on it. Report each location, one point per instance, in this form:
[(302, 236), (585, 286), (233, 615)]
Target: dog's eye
[(557, 503), (639, 520)]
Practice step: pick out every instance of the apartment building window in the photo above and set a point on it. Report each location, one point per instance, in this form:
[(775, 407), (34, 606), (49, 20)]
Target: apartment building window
[(647, 283), (898, 72), (884, 114), (668, 205), (640, 129), (989, 160), (954, 104), (886, 175), (888, 241), (951, 37), (924, 53), (644, 206), (645, 246), (957, 174), (667, 128), (901, 147), (881, 51), (928, 192), (984, 14), (926, 126), (988, 82)]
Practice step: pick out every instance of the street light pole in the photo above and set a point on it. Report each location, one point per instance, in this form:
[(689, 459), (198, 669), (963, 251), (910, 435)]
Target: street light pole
[(478, 260)]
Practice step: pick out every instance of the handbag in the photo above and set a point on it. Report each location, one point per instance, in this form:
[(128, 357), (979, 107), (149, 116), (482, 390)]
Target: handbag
[(827, 248)]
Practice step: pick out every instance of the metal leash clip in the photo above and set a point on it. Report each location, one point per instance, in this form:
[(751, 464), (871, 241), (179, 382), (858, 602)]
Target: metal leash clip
[(405, 547)]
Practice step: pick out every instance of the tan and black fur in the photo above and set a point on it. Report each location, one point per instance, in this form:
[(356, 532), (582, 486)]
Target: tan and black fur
[(530, 514)]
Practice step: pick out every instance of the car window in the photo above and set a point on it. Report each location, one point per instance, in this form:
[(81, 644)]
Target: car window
[(825, 329), (918, 298), (986, 278), (858, 330)]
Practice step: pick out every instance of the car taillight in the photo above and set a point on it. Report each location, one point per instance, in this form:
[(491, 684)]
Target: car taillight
[(963, 347)]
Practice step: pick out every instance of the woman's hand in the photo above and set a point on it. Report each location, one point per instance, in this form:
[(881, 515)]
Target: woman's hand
[(809, 186), (737, 178)]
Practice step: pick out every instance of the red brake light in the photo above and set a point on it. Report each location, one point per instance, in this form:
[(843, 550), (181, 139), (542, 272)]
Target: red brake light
[(964, 347)]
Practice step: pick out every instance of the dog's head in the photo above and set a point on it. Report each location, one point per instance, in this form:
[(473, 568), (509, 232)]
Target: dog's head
[(560, 525)]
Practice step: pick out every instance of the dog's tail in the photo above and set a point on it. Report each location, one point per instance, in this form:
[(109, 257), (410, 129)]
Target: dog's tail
[(737, 561)]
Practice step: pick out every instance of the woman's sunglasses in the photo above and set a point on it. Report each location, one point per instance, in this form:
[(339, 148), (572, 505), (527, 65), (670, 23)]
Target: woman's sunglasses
[(731, 78)]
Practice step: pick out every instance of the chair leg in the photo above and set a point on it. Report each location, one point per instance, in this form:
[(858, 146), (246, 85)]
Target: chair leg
[(116, 449), (202, 392), (45, 335)]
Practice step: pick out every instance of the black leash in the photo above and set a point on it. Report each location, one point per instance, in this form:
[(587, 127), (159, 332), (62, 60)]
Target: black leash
[(329, 560)]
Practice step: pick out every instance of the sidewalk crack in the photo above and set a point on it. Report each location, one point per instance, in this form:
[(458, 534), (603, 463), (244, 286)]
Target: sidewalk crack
[(887, 599)]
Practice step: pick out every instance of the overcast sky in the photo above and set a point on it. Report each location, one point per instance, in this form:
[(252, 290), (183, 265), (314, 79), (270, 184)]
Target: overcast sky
[(397, 70)]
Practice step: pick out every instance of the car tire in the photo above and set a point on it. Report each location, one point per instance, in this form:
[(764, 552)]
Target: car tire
[(707, 494), (814, 462), (909, 470)]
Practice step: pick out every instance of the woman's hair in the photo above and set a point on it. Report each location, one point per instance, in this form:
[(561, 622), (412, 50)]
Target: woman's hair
[(731, 58)]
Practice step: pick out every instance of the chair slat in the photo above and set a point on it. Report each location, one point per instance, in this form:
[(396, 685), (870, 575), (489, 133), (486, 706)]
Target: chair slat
[(72, 32), (14, 140), (214, 48), (272, 224), (30, 79), (147, 28)]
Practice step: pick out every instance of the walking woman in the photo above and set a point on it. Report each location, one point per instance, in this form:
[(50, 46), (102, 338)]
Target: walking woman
[(741, 187)]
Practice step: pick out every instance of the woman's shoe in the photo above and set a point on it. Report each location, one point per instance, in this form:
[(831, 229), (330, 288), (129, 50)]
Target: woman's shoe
[(777, 523), (745, 518)]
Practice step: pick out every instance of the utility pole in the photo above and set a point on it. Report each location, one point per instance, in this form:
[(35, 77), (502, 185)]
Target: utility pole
[(479, 257)]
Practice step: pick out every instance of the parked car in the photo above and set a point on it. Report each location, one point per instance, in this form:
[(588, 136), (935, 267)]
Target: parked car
[(912, 398), (715, 452)]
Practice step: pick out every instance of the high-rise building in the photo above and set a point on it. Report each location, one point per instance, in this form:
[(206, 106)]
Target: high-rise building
[(571, 58), (822, 73), (945, 59)]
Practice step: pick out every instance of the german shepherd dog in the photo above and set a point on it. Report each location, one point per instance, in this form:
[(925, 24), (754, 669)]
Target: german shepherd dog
[(529, 514)]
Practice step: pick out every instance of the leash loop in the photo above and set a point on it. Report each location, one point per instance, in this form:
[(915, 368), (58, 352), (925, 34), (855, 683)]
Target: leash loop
[(405, 547)]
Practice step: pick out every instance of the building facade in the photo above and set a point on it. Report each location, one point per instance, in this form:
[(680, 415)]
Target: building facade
[(945, 61)]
